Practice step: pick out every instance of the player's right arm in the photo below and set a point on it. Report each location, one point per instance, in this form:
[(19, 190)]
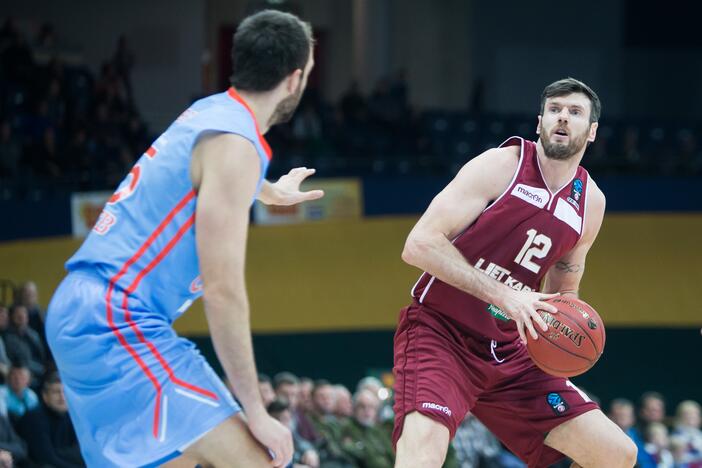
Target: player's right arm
[(455, 208), (225, 172)]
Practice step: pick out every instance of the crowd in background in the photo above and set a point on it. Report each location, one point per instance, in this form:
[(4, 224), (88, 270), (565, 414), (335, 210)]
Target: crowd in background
[(61, 127), (662, 441), (64, 129), (35, 428), (332, 427)]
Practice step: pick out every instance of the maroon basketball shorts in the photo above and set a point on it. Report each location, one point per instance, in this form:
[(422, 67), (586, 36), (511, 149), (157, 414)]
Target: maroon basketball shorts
[(444, 373)]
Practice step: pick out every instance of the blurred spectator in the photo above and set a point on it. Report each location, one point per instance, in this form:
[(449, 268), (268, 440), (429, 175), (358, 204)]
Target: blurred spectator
[(305, 454), (476, 446), (266, 389), (621, 412), (363, 438), (18, 396), (305, 396), (687, 427), (377, 388), (328, 426), (652, 409), (22, 343), (682, 458), (28, 296), (4, 360), (343, 407), (4, 319), (657, 444), (286, 386), (51, 439), (13, 450)]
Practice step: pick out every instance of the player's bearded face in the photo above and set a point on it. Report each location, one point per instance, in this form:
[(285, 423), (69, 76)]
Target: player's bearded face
[(555, 149), (286, 108)]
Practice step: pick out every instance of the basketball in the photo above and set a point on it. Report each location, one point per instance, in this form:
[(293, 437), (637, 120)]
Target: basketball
[(573, 342)]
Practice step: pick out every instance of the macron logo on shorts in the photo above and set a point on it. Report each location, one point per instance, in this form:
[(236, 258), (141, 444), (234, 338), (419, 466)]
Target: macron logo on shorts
[(434, 406)]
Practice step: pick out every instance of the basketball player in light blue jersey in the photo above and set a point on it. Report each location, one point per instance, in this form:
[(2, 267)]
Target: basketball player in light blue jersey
[(176, 229)]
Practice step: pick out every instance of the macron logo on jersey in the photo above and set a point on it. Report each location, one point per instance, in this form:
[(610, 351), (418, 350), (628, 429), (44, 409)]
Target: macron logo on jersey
[(533, 195)]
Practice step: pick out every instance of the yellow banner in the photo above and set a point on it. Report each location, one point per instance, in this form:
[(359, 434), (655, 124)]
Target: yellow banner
[(642, 271)]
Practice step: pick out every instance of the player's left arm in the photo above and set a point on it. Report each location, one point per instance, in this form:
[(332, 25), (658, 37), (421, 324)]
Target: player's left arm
[(565, 275), (286, 191)]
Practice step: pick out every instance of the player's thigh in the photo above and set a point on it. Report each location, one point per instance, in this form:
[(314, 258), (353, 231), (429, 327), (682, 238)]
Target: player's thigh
[(230, 444), (423, 443), (591, 439)]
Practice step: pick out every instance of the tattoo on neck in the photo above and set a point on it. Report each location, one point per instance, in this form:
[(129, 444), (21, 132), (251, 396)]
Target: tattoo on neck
[(569, 267)]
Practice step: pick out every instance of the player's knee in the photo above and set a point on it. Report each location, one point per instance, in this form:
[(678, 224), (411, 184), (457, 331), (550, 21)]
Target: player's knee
[(622, 453), (424, 442)]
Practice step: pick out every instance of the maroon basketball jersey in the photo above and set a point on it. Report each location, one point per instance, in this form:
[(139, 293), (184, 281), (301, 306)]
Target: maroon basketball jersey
[(515, 240)]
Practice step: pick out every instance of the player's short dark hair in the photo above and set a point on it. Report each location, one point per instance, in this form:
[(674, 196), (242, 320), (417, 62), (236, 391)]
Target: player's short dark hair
[(285, 378), (569, 86), (268, 46)]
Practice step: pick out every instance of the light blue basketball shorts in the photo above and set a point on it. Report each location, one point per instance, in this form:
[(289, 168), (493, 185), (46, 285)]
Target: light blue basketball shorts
[(137, 394)]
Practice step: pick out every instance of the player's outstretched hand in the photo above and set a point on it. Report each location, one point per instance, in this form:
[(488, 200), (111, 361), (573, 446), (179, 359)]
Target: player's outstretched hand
[(287, 190), (522, 307), (273, 435)]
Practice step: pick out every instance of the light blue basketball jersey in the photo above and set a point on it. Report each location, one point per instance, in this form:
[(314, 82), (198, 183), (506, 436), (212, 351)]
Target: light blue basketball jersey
[(137, 393), (144, 240)]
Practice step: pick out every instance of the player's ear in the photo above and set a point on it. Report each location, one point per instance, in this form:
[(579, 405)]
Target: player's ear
[(538, 125), (593, 132), (293, 81)]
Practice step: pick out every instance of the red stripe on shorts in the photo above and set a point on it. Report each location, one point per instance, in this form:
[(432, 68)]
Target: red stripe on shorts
[(113, 281)]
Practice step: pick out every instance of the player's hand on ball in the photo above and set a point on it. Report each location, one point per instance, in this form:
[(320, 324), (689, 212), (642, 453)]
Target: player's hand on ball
[(275, 436), (287, 189), (523, 307)]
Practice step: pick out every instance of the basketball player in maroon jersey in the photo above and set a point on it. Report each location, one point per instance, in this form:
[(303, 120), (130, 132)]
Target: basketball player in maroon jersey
[(513, 217)]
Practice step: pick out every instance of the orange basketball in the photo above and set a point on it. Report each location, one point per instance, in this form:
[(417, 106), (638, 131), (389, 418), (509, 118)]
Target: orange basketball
[(574, 341)]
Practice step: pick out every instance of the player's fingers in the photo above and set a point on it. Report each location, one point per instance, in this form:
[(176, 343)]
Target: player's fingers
[(520, 330), (536, 317), (530, 326), (550, 308), (543, 296), (312, 195), (302, 175)]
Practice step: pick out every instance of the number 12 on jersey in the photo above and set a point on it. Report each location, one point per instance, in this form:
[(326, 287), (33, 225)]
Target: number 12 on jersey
[(536, 246)]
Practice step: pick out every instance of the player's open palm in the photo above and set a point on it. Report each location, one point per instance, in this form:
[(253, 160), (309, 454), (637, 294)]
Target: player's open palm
[(275, 436), (288, 187), (523, 307)]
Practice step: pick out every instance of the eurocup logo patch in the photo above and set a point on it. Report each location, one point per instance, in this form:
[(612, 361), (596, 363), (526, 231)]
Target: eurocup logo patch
[(576, 192), (557, 403)]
